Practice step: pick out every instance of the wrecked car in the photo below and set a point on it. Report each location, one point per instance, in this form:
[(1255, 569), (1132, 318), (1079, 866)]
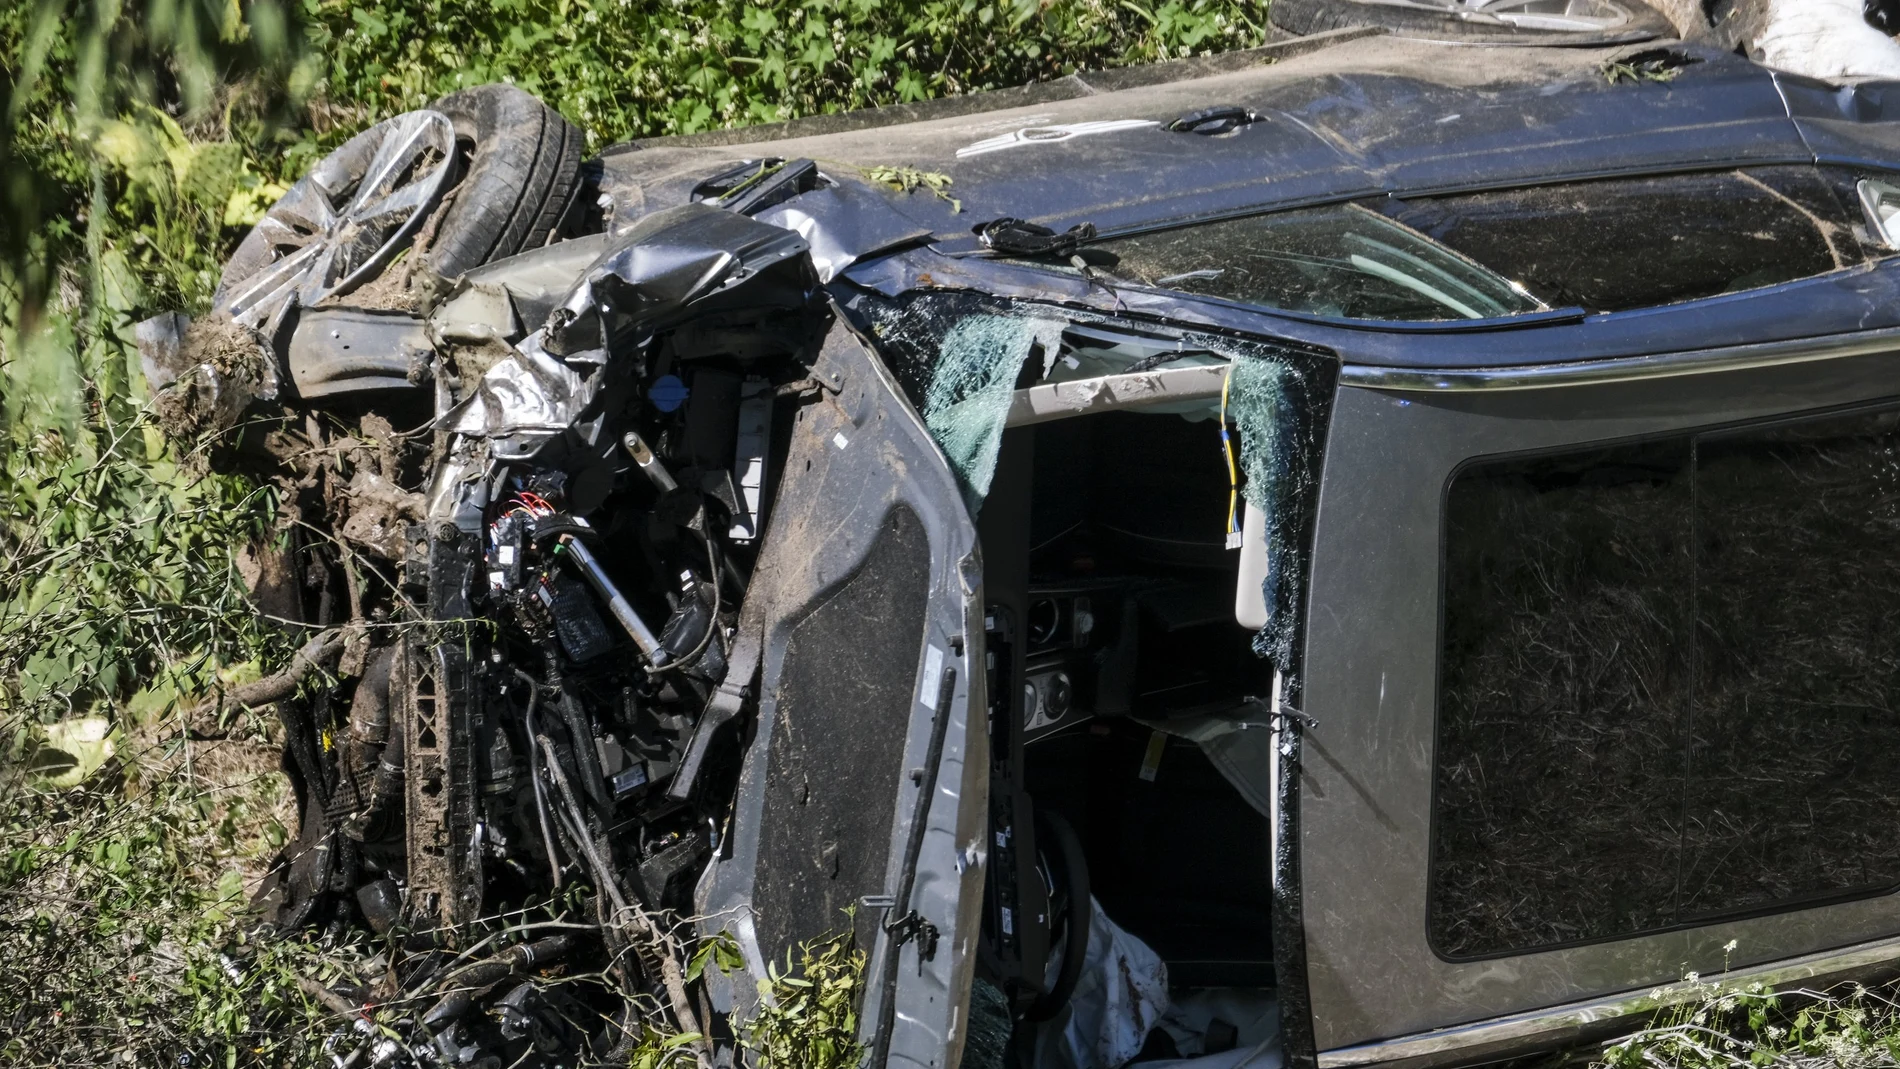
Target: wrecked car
[(1381, 557)]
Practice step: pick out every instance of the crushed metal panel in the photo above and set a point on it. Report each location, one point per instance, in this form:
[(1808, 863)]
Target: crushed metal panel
[(474, 313), (433, 694), (351, 350), (845, 223), (697, 255), (691, 260), (865, 777), (445, 879)]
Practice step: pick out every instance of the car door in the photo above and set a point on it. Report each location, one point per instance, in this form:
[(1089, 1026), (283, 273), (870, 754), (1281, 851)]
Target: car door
[(1597, 659), (863, 774)]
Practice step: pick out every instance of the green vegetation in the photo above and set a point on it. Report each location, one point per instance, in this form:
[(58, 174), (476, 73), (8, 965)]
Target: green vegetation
[(810, 1019), (627, 69), (1751, 1027), (139, 139), (118, 949)]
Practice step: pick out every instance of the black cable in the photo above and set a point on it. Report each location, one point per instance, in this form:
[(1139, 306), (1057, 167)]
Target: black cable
[(712, 622), (580, 730)]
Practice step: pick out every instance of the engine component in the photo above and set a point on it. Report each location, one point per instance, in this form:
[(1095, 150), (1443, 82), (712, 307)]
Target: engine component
[(507, 553), (617, 604), (381, 903), (584, 636), (712, 418), (749, 452), (689, 633), (470, 981), (649, 464)]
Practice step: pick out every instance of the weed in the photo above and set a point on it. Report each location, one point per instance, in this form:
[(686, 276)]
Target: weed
[(138, 141), (118, 949), (624, 69), (1725, 1025), (905, 179), (1650, 65), (808, 1013)]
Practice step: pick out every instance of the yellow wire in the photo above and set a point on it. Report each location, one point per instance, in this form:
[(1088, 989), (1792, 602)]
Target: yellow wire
[(1227, 446)]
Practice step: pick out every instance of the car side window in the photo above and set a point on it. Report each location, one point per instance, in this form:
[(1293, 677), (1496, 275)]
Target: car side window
[(1669, 684), (1615, 244), (1341, 261)]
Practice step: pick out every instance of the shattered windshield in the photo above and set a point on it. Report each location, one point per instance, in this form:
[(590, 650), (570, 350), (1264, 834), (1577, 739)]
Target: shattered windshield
[(964, 360), (1340, 261)]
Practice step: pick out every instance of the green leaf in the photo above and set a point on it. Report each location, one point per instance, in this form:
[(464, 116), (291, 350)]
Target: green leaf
[(372, 25)]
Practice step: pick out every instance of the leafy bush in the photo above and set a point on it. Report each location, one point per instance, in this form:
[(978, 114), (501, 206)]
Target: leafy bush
[(809, 1015), (138, 141), (631, 69), (1752, 1027), (122, 944)]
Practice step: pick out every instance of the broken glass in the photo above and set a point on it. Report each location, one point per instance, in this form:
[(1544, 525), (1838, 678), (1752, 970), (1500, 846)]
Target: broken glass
[(967, 402), (1605, 245), (962, 357)]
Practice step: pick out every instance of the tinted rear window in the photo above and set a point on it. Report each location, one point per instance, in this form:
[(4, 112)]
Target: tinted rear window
[(1342, 261), (1604, 246), (1618, 244), (1669, 684)]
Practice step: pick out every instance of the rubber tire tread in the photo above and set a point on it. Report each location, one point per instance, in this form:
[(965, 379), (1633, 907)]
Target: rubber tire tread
[(1305, 17), (519, 185)]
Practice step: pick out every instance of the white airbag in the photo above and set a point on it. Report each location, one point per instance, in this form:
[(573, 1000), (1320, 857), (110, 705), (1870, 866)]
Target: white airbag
[(1827, 39)]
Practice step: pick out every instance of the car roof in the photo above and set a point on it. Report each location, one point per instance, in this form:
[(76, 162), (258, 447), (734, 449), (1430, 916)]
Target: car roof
[(1365, 116)]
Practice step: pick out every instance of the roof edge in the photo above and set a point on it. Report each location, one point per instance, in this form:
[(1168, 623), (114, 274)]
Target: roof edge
[(1068, 87)]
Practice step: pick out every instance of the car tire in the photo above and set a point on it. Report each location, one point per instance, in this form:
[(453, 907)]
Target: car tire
[(486, 173), (1305, 17), (521, 183)]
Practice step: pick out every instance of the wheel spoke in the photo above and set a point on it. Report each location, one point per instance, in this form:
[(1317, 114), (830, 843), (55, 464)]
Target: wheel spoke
[(326, 251), (308, 203), (271, 285), (403, 202), (318, 284), (402, 144), (286, 233)]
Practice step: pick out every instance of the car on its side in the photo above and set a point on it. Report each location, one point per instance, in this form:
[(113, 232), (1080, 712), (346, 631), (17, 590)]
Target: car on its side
[(1405, 531)]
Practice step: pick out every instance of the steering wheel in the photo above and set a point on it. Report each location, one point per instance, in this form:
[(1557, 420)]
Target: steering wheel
[(1070, 908)]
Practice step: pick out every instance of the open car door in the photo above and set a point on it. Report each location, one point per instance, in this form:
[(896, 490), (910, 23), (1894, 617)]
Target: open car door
[(861, 799)]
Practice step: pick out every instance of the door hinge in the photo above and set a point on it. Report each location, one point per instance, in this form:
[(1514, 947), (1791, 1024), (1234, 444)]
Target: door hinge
[(910, 926)]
